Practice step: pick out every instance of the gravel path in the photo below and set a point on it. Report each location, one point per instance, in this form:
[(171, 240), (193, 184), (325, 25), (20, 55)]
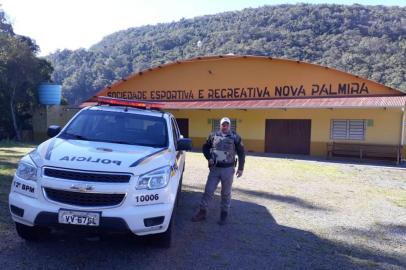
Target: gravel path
[(286, 214)]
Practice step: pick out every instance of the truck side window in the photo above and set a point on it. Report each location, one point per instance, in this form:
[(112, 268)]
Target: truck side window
[(175, 131), (175, 123)]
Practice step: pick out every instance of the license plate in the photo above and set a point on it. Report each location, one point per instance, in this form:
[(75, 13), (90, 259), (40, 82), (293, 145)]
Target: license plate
[(79, 218)]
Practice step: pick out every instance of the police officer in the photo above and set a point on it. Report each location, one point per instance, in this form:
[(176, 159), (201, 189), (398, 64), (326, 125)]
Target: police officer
[(220, 150)]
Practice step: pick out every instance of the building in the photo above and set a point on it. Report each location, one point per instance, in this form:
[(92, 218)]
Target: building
[(276, 105)]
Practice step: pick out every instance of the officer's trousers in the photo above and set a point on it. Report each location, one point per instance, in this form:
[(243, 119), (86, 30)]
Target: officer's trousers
[(216, 174)]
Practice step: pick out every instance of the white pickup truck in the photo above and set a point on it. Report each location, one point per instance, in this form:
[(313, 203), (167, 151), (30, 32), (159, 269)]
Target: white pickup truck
[(113, 167)]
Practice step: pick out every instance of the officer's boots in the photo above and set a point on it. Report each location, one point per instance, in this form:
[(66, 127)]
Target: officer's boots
[(199, 216), (223, 218)]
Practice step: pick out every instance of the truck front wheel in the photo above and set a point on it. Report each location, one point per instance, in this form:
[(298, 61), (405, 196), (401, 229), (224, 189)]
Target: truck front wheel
[(33, 233)]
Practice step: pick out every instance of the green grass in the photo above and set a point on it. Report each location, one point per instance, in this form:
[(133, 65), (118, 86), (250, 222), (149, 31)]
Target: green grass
[(400, 201), (396, 196), (289, 174), (10, 154), (9, 143), (305, 169)]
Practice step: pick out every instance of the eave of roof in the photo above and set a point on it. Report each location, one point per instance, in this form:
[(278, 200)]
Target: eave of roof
[(302, 103)]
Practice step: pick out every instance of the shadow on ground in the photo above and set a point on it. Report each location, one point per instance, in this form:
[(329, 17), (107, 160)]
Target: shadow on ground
[(252, 240), (292, 200), (298, 202)]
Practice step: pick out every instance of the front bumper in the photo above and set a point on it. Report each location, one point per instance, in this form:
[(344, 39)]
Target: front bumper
[(125, 217)]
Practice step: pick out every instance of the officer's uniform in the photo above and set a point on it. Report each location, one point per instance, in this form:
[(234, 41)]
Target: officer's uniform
[(222, 148)]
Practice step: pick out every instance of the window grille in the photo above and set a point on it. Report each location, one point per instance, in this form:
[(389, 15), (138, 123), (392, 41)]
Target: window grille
[(347, 130)]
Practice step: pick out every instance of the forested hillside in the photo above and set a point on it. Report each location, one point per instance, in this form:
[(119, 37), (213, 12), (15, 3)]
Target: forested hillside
[(369, 41)]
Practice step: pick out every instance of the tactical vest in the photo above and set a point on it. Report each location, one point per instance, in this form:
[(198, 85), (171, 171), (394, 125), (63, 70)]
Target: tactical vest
[(224, 150)]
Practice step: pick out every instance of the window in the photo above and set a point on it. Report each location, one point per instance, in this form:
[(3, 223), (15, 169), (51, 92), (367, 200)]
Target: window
[(118, 127), (215, 125), (175, 131), (347, 130)]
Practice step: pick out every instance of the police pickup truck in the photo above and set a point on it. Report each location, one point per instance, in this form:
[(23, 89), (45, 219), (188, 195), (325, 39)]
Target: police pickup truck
[(116, 166)]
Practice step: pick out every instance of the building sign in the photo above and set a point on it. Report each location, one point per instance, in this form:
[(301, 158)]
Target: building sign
[(253, 92), (242, 78)]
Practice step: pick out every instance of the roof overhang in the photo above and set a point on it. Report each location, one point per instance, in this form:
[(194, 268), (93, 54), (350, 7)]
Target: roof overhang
[(302, 103)]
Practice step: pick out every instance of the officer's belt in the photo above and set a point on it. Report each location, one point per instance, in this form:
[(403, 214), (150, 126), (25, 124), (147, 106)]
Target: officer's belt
[(224, 165)]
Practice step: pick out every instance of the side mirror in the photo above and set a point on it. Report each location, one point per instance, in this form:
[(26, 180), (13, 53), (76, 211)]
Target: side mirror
[(53, 130), (184, 144)]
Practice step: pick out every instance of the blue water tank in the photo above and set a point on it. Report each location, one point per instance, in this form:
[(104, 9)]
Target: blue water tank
[(49, 94)]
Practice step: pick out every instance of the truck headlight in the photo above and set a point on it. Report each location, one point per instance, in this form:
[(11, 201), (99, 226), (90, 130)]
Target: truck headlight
[(26, 171), (36, 157), (155, 179)]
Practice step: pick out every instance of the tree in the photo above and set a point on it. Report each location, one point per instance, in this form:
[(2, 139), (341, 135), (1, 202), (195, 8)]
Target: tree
[(20, 74), (5, 27)]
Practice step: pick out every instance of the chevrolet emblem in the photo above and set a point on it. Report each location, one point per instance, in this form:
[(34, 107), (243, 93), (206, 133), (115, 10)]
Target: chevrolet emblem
[(82, 188)]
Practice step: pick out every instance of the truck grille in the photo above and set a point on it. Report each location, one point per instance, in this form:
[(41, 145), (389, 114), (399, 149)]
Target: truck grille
[(83, 199), (87, 176)]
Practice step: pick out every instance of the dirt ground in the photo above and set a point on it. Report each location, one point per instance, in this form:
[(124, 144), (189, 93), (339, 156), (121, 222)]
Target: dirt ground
[(286, 214), (361, 208)]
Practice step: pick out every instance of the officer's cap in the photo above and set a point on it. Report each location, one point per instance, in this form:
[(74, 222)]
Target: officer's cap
[(225, 120)]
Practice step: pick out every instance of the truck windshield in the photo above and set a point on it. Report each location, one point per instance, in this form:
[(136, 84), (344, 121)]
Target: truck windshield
[(117, 127)]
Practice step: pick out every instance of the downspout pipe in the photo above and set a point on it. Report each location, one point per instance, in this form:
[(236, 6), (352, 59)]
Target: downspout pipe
[(402, 131)]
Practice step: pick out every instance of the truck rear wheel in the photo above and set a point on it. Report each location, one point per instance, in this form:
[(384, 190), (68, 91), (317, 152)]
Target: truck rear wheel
[(164, 239), (34, 233), (177, 202)]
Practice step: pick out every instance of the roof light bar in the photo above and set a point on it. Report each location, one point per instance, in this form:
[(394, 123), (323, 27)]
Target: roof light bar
[(129, 103)]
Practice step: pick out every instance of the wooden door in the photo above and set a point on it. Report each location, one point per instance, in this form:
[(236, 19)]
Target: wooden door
[(183, 124), (288, 136)]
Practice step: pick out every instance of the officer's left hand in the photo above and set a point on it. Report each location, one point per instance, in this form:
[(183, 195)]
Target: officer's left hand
[(239, 173)]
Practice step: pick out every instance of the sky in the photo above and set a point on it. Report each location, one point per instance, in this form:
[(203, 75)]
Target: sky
[(73, 24)]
